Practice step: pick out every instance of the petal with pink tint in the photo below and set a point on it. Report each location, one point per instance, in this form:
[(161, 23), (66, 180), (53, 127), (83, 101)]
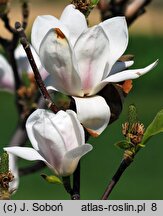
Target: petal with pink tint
[(57, 58), (91, 51)]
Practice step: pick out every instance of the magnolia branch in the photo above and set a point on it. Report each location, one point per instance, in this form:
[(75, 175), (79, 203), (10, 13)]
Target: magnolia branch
[(75, 190), (39, 81), (133, 132), (130, 9), (31, 169), (10, 45), (20, 137), (25, 14), (76, 184), (123, 166)]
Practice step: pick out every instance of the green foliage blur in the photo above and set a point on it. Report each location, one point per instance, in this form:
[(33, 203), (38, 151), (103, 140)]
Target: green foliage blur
[(143, 179)]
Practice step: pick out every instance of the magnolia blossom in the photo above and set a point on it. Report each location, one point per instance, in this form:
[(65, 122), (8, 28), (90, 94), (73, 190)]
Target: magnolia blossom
[(83, 60), (57, 139), (6, 74)]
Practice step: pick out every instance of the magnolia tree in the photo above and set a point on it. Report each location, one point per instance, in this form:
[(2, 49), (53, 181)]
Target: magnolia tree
[(83, 76)]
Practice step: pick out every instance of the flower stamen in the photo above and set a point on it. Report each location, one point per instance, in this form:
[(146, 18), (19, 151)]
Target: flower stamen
[(59, 33)]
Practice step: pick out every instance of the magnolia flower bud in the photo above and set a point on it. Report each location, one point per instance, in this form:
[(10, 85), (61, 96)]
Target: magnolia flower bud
[(57, 139)]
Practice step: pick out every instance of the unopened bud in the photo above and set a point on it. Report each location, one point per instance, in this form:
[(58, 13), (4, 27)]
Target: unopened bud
[(132, 115)]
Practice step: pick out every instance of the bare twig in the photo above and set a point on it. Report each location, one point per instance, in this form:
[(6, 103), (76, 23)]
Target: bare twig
[(25, 14), (20, 137), (67, 185), (133, 131), (76, 184), (7, 23), (124, 164), (31, 169), (135, 9), (130, 9), (74, 191), (40, 83), (10, 45)]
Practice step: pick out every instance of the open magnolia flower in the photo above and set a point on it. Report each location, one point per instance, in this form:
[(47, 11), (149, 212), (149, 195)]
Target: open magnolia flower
[(57, 139), (6, 74), (82, 60)]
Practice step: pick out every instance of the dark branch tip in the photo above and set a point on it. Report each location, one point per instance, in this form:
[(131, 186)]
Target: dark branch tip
[(23, 40), (17, 25)]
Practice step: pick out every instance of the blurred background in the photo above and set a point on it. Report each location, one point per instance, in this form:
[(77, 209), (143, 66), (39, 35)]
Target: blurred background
[(143, 179)]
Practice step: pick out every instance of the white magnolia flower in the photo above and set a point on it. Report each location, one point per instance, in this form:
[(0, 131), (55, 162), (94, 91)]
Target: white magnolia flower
[(83, 60), (6, 74), (57, 139)]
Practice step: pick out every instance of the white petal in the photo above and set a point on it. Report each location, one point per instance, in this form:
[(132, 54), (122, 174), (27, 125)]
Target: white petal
[(117, 33), (72, 158), (124, 75), (120, 66), (98, 87), (72, 18), (25, 153), (45, 137), (79, 131), (32, 119), (93, 113), (91, 51), (57, 58), (130, 74), (41, 26), (6, 75), (14, 169), (69, 128), (52, 134)]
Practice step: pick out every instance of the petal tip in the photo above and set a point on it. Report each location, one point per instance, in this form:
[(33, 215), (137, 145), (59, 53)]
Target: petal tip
[(92, 132), (156, 62)]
